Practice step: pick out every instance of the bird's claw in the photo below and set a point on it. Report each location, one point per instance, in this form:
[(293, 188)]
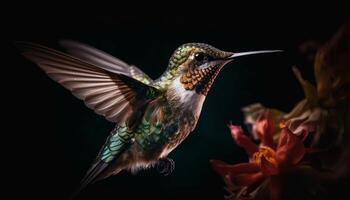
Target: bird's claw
[(165, 166)]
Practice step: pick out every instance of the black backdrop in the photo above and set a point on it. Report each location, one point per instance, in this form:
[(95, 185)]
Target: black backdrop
[(53, 137)]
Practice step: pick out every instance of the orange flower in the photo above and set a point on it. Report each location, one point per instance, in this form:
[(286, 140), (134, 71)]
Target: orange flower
[(269, 159)]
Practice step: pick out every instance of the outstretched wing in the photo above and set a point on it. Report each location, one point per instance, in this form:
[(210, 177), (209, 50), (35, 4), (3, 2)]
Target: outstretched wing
[(108, 90), (104, 60)]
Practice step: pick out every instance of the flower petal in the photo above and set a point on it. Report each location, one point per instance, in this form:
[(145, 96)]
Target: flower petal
[(290, 149), (268, 168), (298, 109), (311, 120), (223, 168), (264, 128), (247, 179), (332, 70), (309, 90), (253, 111), (242, 140)]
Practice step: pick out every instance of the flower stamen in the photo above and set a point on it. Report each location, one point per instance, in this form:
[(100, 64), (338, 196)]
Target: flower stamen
[(267, 154)]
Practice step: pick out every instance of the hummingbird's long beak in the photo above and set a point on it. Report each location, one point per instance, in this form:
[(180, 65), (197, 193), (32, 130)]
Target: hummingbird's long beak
[(235, 55)]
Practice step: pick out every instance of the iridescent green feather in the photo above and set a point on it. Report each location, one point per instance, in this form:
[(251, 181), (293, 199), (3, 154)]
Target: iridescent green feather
[(116, 143)]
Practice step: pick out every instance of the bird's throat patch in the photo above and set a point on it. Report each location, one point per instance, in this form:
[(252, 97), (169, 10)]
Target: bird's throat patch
[(200, 79)]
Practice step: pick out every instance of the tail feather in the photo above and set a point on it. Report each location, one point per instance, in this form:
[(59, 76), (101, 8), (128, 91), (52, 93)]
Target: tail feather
[(105, 165), (91, 176)]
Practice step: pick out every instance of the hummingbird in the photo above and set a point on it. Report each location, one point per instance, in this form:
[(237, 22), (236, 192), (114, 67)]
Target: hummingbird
[(152, 117)]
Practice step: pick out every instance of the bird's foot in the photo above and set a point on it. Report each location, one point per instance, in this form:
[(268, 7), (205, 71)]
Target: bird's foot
[(165, 166)]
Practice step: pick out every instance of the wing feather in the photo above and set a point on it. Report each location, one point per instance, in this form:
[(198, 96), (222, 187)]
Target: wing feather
[(106, 61), (104, 85)]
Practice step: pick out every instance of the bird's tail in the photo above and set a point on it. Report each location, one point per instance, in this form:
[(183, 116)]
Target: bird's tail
[(91, 176), (101, 168)]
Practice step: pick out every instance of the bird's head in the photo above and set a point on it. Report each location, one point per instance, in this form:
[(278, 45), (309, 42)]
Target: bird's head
[(198, 64)]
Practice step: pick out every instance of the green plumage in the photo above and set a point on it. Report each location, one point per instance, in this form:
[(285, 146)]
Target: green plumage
[(116, 142)]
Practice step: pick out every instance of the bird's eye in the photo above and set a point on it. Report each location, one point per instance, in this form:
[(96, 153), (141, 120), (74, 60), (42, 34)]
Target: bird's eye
[(199, 57)]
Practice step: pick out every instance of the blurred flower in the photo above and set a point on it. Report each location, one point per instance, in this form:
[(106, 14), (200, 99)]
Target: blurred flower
[(267, 160), (252, 112), (310, 144), (332, 71)]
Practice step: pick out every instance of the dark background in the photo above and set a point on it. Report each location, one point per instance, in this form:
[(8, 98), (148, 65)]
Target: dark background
[(53, 137)]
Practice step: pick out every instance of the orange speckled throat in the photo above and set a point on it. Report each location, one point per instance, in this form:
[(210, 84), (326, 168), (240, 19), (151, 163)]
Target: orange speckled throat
[(200, 79)]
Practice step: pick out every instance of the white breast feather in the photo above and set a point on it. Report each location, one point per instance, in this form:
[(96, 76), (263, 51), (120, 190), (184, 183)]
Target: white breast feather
[(189, 98)]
